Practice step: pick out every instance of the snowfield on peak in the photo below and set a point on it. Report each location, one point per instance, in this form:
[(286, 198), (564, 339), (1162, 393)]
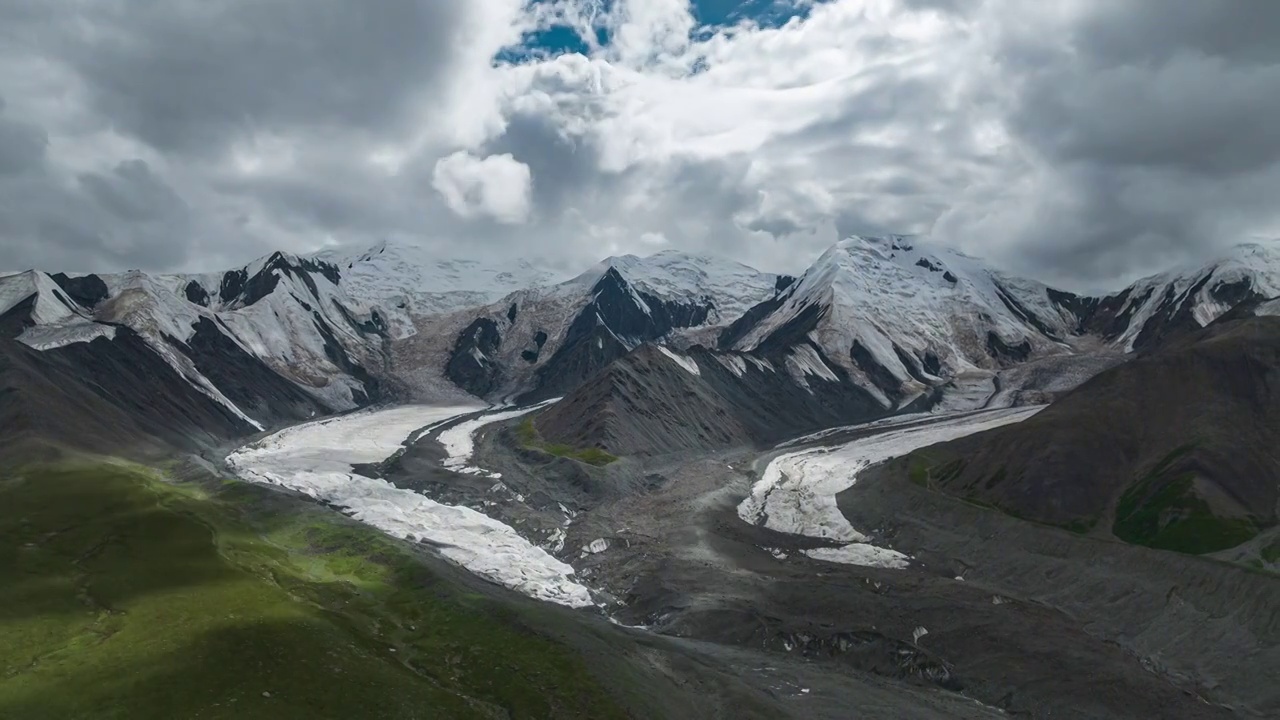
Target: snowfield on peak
[(409, 280), (51, 306), (1205, 291), (58, 320), (886, 290), (732, 287), (900, 314), (316, 459)]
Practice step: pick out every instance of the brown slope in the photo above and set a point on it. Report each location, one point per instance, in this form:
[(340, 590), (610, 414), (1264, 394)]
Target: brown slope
[(1179, 449), (642, 404)]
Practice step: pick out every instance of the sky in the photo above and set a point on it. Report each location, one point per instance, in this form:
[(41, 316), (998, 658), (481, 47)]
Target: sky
[(1081, 142)]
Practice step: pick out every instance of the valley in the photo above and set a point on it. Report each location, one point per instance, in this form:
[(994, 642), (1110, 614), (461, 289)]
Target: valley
[(753, 555), (903, 483)]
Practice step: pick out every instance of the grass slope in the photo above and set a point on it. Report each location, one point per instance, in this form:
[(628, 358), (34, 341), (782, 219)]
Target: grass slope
[(1161, 510), (531, 439), (122, 596)]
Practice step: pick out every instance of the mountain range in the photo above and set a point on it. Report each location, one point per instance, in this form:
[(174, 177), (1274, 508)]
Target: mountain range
[(902, 479), (875, 327)]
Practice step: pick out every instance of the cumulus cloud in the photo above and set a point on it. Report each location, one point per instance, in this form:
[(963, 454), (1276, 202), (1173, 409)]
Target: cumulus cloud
[(497, 186), (1083, 142)]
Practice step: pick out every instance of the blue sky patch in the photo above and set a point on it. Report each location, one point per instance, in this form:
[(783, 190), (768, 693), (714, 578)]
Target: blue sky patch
[(712, 14)]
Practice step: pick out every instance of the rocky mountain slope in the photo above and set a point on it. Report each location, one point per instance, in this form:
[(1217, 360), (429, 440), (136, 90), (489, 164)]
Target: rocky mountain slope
[(657, 400), (876, 326), (95, 387), (881, 326), (541, 343), (208, 356), (1175, 449)]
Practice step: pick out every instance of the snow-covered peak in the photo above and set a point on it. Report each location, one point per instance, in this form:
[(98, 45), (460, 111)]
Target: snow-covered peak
[(1261, 259), (899, 310), (1249, 271), (148, 305), (52, 304), (416, 280), (732, 287)]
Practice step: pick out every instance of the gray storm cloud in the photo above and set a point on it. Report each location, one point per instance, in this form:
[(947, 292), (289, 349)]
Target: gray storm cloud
[(1084, 143)]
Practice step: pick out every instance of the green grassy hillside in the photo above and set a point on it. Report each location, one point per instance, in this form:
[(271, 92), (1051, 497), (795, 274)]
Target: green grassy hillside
[(124, 596)]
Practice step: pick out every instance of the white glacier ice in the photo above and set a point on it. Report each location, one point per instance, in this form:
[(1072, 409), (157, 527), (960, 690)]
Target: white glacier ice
[(459, 440), (796, 494), (317, 458)]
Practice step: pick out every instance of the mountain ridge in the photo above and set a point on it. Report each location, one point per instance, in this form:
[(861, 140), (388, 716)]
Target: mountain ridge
[(911, 325)]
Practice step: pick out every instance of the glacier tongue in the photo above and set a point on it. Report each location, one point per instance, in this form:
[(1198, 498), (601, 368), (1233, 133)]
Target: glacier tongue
[(459, 440), (317, 458), (797, 491)]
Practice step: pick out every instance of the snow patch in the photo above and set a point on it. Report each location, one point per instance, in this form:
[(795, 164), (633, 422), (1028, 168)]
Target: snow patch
[(317, 458), (804, 361), (49, 337), (731, 287), (51, 306), (685, 362), (862, 554), (733, 363)]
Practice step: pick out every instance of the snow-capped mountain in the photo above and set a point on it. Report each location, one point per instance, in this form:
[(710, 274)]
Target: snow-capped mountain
[(408, 280), (905, 319), (726, 288), (876, 326), (542, 342), (1154, 308), (274, 340), (901, 317)]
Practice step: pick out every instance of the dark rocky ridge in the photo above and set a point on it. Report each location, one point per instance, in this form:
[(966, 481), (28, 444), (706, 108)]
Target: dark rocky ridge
[(246, 380), (87, 291), (616, 318), (647, 404), (642, 404), (114, 396), (240, 290), (1187, 433), (471, 366), (338, 355), (196, 293)]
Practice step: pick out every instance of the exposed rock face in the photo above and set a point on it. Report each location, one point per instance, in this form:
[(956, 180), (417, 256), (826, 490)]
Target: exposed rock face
[(655, 401), (111, 395), (246, 380), (471, 366), (642, 404), (87, 290), (553, 338), (1175, 449)]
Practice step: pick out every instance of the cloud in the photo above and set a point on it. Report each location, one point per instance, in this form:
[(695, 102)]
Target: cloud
[(22, 145), (497, 186), (1084, 142)]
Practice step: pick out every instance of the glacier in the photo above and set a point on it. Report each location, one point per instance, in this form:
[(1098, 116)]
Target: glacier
[(316, 459)]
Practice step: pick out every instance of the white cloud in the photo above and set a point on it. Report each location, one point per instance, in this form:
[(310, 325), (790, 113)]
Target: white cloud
[(497, 186), (1001, 126)]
